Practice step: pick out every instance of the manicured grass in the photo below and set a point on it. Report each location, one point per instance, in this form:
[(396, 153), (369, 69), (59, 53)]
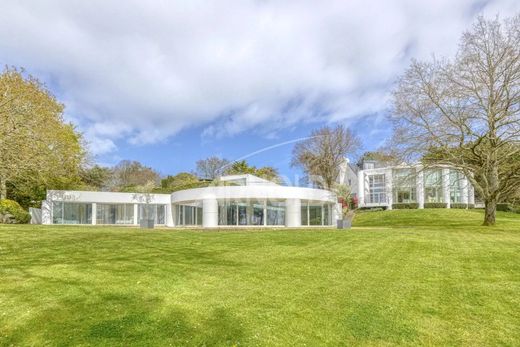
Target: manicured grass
[(432, 277)]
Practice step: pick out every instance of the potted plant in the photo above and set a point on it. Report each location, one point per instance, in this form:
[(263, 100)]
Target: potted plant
[(347, 214)]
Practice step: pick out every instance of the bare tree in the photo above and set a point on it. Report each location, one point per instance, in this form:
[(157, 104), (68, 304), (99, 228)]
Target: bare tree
[(322, 153), (465, 112), (211, 168)]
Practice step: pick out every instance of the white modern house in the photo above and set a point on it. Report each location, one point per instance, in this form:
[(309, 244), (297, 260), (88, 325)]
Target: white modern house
[(245, 201), (409, 186), (250, 201)]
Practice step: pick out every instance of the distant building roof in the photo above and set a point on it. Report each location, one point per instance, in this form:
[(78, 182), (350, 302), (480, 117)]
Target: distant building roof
[(247, 180)]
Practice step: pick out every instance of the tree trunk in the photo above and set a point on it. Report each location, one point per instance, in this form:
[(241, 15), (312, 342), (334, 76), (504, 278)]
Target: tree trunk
[(490, 212), (3, 189)]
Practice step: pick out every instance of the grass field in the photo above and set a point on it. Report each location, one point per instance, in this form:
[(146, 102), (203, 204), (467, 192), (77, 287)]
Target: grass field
[(432, 277)]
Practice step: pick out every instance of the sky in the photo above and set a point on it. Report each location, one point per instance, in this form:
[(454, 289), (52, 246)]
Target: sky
[(170, 82)]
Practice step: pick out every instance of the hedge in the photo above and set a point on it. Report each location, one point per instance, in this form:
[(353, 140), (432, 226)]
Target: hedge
[(405, 206), (12, 213), (435, 205), (459, 205)]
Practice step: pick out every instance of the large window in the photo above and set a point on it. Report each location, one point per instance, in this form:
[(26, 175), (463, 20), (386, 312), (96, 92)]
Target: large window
[(376, 189), (275, 213), (71, 213), (115, 214), (316, 214), (456, 186), (241, 213), (404, 185), (152, 211), (188, 215), (433, 186)]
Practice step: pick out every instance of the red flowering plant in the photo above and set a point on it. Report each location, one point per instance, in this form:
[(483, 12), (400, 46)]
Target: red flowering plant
[(345, 199)]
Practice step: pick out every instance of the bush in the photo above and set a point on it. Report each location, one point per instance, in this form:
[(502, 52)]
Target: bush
[(435, 205), (405, 206), (459, 205), (12, 213), (471, 206)]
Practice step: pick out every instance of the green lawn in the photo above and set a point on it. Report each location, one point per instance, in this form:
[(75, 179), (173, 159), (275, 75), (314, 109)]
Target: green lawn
[(432, 277)]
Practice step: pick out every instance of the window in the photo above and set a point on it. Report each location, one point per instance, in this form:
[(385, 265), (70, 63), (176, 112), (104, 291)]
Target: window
[(376, 189), (433, 186), (315, 217), (115, 214), (71, 213), (241, 213), (456, 187), (188, 215), (404, 183), (151, 211), (275, 213)]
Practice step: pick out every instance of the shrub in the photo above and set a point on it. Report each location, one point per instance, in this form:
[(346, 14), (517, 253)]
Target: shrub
[(435, 205), (372, 208), (505, 207), (405, 206), (459, 205), (471, 206), (12, 213)]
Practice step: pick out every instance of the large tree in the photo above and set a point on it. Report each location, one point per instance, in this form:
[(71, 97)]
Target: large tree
[(128, 174), (465, 112), (212, 167), (242, 167), (322, 153), (36, 145)]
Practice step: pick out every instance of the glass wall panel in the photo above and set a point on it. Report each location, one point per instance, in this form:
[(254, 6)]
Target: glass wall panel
[(152, 211), (115, 214), (72, 213), (456, 187), (304, 214), (242, 213), (199, 215), (326, 214), (275, 213), (315, 217), (433, 186), (376, 189), (258, 214), (404, 185)]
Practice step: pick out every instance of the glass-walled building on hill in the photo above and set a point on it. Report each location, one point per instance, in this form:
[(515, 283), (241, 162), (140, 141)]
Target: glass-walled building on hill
[(246, 201), (392, 187)]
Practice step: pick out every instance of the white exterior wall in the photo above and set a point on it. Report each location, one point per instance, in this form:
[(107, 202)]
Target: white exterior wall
[(293, 211), (389, 188), (46, 212), (446, 186), (210, 213)]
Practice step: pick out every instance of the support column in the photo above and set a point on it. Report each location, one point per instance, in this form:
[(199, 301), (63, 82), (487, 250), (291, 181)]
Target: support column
[(209, 213), (169, 216), (293, 212), (94, 213), (389, 188), (46, 212), (419, 184), (446, 186), (361, 188), (136, 212), (471, 197)]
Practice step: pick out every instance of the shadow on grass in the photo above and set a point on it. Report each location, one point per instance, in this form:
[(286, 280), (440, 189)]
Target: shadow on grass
[(125, 319)]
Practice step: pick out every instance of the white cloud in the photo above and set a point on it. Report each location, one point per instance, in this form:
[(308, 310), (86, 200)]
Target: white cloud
[(141, 71)]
